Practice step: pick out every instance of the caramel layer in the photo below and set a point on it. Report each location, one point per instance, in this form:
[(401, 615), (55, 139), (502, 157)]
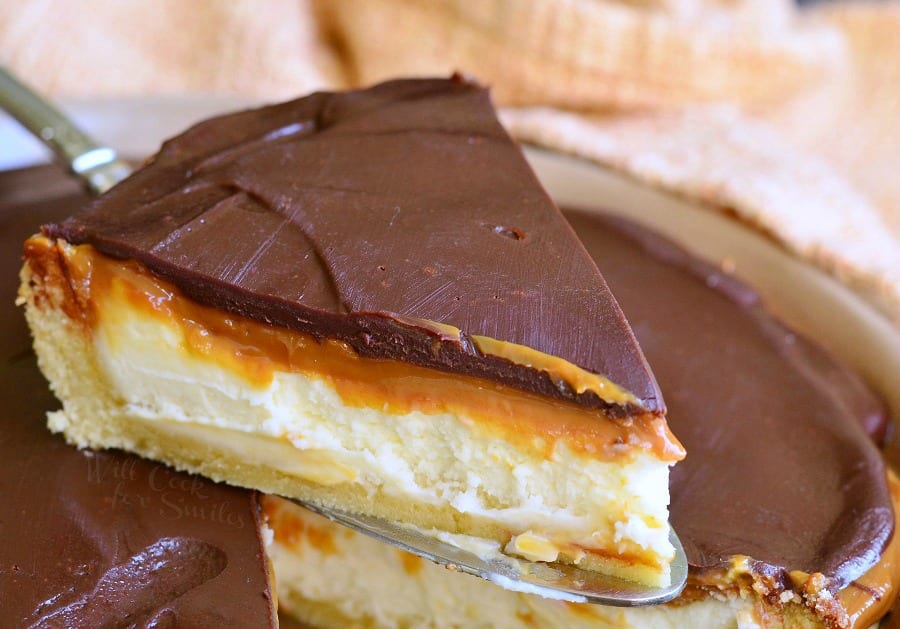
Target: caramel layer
[(256, 352), (560, 371)]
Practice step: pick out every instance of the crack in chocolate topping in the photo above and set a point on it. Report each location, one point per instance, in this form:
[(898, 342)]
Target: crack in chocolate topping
[(102, 539), (779, 465), (352, 215)]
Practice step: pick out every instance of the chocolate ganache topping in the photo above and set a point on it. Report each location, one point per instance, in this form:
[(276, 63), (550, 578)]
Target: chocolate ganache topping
[(367, 216), (779, 465), (102, 539)]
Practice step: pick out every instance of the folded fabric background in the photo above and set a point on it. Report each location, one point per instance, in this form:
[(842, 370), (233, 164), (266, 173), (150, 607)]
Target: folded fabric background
[(785, 118)]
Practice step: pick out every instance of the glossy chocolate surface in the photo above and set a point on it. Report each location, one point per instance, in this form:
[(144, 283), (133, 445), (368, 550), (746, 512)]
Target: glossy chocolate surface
[(779, 465), (353, 215), (92, 539)]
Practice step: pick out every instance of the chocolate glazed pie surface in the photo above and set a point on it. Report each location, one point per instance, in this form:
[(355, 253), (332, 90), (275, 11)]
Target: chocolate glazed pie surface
[(779, 466), (389, 204), (104, 538)]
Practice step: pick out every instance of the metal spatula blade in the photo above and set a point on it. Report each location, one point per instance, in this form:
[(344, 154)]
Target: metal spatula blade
[(559, 581)]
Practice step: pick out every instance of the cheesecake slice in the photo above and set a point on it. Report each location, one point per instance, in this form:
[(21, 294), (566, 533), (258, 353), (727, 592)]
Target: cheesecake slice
[(366, 300), (783, 505)]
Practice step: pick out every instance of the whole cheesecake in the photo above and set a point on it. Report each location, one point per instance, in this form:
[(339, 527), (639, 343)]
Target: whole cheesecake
[(783, 504), (365, 300)]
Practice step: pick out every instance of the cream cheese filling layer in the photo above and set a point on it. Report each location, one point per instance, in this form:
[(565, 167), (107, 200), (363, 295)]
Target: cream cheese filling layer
[(300, 425)]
